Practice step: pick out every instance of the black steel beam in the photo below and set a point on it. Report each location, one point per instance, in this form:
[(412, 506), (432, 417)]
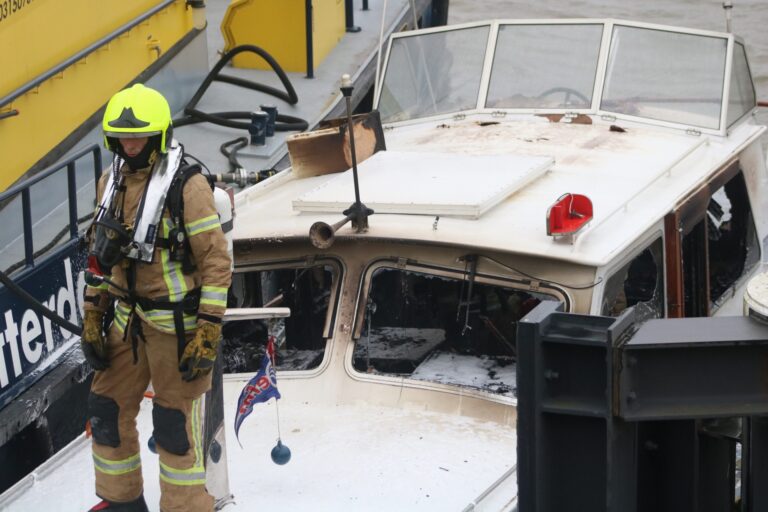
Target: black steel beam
[(694, 368), (573, 454), (614, 417), (755, 464)]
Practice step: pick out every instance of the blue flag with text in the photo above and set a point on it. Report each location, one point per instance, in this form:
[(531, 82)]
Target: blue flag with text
[(260, 388)]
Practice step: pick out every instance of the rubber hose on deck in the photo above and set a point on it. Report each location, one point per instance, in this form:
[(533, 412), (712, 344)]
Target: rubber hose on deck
[(37, 307), (288, 96), (283, 123)]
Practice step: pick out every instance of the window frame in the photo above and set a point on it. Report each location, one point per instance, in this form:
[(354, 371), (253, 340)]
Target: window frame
[(337, 280), (686, 217), (740, 42), (438, 270), (647, 241), (559, 293)]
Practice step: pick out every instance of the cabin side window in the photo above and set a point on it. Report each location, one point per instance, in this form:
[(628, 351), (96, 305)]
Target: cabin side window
[(430, 327), (639, 283), (300, 339), (731, 238), (719, 245)]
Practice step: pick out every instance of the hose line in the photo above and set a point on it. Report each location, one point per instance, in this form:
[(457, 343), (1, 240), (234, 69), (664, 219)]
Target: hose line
[(231, 119), (284, 122), (37, 307)]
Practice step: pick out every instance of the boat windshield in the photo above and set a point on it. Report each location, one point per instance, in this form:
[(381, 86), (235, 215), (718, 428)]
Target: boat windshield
[(615, 69), (665, 75), (434, 73), (544, 66)]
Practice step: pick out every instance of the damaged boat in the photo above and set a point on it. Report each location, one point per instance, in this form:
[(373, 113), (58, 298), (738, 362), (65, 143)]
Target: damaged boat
[(603, 164)]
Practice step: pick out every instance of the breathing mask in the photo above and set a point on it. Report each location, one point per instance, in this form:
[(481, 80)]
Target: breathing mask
[(111, 242)]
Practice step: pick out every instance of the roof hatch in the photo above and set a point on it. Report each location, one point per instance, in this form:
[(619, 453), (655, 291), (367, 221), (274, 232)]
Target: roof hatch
[(428, 183)]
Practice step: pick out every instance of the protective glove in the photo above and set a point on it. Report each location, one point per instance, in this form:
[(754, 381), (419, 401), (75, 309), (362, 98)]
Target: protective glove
[(200, 353), (92, 340)]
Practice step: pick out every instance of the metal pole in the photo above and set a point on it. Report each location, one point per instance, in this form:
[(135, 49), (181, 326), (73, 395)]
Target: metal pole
[(376, 85), (415, 16), (72, 188), (346, 88), (349, 14), (10, 113), (97, 165), (727, 7), (26, 214), (310, 49), (365, 5)]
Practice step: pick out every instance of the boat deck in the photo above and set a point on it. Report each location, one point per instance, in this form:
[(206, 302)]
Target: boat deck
[(344, 457)]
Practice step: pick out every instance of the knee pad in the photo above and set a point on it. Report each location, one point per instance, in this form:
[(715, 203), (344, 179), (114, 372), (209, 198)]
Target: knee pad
[(170, 429), (103, 413)]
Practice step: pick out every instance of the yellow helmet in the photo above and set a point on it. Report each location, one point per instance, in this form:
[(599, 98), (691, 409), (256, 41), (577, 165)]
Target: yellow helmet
[(137, 112)]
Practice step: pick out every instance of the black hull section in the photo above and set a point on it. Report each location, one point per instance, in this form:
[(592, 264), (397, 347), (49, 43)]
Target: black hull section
[(44, 418)]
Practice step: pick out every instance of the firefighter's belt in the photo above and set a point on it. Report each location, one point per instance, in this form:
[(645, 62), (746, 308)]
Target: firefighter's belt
[(189, 304)]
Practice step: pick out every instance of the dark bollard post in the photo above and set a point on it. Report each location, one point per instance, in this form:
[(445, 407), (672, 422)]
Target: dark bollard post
[(258, 128), (349, 14), (365, 5), (271, 110), (310, 43)]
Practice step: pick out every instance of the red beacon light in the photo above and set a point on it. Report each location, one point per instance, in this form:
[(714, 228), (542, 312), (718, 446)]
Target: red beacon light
[(569, 214)]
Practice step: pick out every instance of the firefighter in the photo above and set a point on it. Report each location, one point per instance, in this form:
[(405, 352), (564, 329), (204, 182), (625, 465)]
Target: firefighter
[(156, 315)]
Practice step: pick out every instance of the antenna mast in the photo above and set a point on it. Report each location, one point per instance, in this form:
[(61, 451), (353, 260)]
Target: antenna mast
[(728, 7), (322, 234)]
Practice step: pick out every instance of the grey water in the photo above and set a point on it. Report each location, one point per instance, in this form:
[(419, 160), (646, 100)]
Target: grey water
[(749, 20)]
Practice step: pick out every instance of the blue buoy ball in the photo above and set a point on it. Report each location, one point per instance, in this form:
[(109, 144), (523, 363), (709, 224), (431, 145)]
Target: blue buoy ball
[(281, 454), (152, 444), (215, 451)]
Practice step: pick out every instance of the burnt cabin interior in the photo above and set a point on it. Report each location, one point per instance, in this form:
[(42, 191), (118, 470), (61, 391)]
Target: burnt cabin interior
[(438, 310), (431, 315), (299, 339)]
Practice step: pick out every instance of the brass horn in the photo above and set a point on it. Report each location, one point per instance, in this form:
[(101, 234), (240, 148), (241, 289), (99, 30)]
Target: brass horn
[(322, 234)]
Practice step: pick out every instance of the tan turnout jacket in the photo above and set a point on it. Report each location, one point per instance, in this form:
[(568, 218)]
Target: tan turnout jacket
[(163, 279)]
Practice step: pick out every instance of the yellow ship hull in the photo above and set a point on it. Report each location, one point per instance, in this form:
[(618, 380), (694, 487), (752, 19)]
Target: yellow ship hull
[(40, 105)]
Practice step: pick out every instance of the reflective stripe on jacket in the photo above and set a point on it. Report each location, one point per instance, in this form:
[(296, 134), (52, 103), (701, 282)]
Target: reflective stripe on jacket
[(163, 279)]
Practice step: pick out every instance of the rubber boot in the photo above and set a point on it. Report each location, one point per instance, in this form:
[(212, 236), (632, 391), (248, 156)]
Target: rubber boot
[(137, 505)]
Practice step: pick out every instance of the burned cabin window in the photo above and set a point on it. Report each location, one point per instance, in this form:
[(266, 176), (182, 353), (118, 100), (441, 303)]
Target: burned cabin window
[(731, 238), (299, 339), (719, 248), (416, 325), (639, 283)]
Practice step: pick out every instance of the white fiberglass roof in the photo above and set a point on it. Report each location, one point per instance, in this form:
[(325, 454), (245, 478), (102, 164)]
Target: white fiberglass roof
[(633, 177)]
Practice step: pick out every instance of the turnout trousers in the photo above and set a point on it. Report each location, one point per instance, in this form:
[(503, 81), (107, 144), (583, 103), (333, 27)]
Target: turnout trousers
[(116, 394)]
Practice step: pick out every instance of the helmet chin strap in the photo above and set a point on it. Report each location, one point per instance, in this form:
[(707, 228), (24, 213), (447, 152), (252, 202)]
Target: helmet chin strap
[(145, 157)]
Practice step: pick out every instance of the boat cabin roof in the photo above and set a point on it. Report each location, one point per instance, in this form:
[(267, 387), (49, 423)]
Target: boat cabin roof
[(488, 124)]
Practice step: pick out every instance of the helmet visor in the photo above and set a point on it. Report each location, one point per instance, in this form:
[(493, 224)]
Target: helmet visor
[(132, 135)]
